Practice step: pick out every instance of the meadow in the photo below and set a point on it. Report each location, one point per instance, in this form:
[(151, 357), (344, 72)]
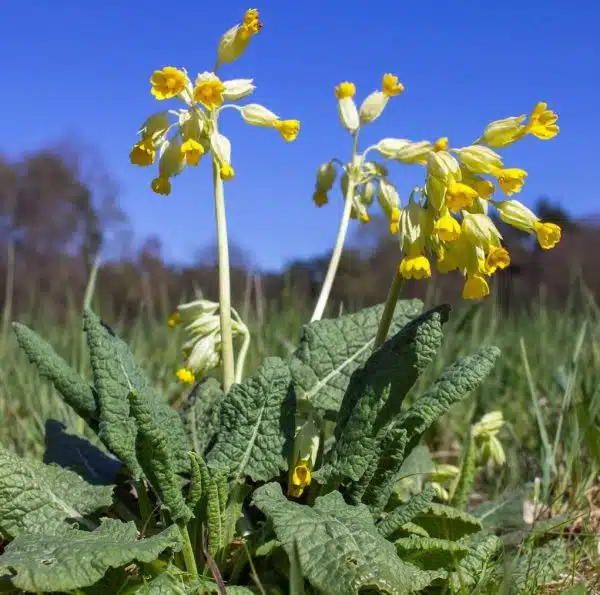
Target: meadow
[(546, 384)]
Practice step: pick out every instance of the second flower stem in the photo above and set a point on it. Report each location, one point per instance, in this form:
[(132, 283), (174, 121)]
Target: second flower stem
[(224, 282), (388, 310), (339, 243)]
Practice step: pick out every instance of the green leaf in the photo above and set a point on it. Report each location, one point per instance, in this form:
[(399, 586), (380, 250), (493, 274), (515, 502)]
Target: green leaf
[(405, 512), (446, 522), (338, 547), (76, 559), (116, 373), (200, 413), (375, 394), (482, 548), (430, 553), (538, 566), (504, 512), (156, 458), (466, 478), (38, 498), (331, 349), (257, 424), (76, 392), (78, 454), (458, 380)]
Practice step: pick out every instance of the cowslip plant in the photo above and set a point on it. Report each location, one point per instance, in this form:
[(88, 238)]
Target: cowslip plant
[(285, 480)]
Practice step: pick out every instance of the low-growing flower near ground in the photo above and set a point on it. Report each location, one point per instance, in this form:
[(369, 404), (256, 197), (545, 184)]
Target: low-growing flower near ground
[(203, 349)]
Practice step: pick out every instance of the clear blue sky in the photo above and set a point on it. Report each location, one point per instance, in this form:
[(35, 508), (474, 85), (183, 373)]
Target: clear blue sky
[(77, 67)]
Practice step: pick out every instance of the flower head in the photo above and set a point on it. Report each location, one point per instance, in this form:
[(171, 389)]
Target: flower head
[(511, 180), (209, 90), (234, 42), (168, 82), (390, 85), (542, 122)]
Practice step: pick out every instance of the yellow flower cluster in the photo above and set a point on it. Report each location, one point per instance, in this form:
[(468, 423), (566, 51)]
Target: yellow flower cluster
[(194, 130), (447, 219)]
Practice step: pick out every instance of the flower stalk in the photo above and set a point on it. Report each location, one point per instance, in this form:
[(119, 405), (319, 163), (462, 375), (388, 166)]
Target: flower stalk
[(224, 281)]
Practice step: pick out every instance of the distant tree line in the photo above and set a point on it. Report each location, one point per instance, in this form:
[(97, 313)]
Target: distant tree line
[(59, 208)]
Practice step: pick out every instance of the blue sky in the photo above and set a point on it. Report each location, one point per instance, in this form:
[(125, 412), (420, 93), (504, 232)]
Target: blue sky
[(82, 68)]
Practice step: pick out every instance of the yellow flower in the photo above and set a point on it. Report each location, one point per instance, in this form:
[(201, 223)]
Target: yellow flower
[(497, 258), (542, 122), (390, 85), (441, 144), (347, 110), (475, 288), (161, 185), (287, 128), (320, 198), (209, 90), (301, 478), (395, 220), (168, 82), (185, 375), (459, 196), (483, 187), (226, 172), (511, 180), (174, 319), (364, 217), (345, 90), (447, 228), (548, 234), (415, 267), (143, 153), (192, 151), (502, 133), (234, 42)]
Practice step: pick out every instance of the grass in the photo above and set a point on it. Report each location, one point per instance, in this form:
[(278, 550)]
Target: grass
[(547, 386)]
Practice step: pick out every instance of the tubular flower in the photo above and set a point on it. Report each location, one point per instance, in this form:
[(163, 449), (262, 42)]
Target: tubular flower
[(209, 90), (482, 187), (497, 258), (143, 153), (510, 180), (257, 115), (193, 151), (480, 230), (447, 228), (442, 172), (501, 133), (306, 447), (346, 107), (391, 86), (186, 376), (161, 185), (404, 151), (548, 234), (287, 128), (415, 267), (475, 288), (459, 196), (234, 42), (168, 82), (479, 159), (542, 122)]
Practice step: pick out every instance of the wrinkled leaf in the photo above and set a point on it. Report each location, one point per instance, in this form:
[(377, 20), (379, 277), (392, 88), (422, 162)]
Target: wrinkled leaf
[(116, 373), (430, 553), (76, 392), (375, 394), (200, 413), (471, 569), (256, 425), (38, 498), (405, 512), (446, 522), (457, 381), (156, 458), (79, 559), (331, 349), (337, 545)]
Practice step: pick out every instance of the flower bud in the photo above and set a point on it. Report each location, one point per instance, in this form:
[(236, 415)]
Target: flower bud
[(346, 107), (404, 150), (372, 107), (479, 159), (501, 133), (237, 89)]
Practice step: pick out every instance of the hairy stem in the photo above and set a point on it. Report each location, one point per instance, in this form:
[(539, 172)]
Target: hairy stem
[(388, 310), (224, 282), (241, 360), (339, 242)]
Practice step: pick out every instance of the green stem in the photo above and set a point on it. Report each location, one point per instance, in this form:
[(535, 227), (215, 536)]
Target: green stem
[(241, 360), (388, 310), (224, 282), (188, 551), (144, 503), (339, 242)]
